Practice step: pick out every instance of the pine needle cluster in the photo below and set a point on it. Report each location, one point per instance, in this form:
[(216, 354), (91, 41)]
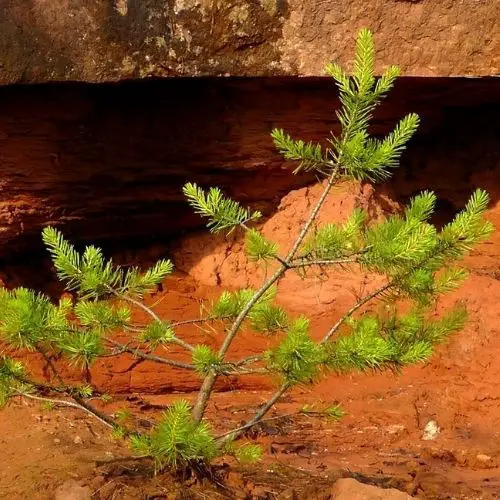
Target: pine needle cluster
[(416, 262)]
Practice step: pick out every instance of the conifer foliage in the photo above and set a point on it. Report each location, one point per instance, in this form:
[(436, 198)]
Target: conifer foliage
[(417, 262)]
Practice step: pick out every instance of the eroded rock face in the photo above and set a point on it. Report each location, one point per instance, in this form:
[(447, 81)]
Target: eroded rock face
[(460, 155), (107, 162), (111, 40)]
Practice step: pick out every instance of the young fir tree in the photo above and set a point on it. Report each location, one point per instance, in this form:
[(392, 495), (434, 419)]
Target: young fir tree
[(416, 260)]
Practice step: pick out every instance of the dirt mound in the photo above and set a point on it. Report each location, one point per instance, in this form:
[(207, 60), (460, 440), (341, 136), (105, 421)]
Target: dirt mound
[(221, 261)]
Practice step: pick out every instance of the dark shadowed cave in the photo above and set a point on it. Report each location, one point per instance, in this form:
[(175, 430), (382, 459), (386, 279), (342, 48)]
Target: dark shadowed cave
[(106, 162)]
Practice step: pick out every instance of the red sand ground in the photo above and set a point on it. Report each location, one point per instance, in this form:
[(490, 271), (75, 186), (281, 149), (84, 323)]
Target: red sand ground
[(380, 437)]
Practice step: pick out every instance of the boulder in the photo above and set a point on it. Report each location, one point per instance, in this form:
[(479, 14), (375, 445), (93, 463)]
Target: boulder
[(102, 41)]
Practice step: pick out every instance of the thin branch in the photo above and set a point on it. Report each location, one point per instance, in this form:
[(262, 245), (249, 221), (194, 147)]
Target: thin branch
[(353, 309), (94, 411), (244, 312), (243, 371), (70, 392), (314, 214), (270, 419), (155, 316), (325, 262), (198, 320), (210, 379), (249, 425), (141, 328), (71, 404), (228, 369), (258, 416), (41, 386), (140, 305), (237, 367), (280, 259), (50, 364), (248, 360), (381, 290), (149, 357), (134, 329), (79, 401)]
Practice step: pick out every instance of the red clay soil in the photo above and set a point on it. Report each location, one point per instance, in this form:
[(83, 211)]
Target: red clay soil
[(380, 438)]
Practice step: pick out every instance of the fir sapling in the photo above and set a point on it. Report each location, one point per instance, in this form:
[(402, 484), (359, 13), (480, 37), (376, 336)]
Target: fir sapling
[(418, 263)]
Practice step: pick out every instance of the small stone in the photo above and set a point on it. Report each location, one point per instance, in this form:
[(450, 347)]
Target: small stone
[(441, 454), (431, 431), (78, 440), (289, 494), (98, 482), (483, 461), (413, 465), (434, 485), (395, 429), (71, 490), (350, 489), (57, 441)]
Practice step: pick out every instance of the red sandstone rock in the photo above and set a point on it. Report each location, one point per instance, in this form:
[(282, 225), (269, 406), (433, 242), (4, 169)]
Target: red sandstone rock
[(63, 40), (107, 163)]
